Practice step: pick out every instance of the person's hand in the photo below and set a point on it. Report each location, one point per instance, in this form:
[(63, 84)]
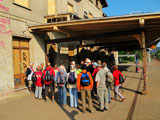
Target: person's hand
[(78, 90)]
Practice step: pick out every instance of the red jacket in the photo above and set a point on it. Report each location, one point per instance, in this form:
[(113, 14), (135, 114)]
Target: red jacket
[(39, 79), (116, 77), (52, 73), (94, 73)]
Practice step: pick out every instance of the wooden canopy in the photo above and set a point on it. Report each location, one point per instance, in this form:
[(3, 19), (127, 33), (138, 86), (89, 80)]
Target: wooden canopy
[(119, 32)]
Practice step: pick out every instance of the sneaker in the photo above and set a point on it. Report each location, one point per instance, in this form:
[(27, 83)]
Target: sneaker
[(105, 109), (84, 112), (101, 110), (90, 111)]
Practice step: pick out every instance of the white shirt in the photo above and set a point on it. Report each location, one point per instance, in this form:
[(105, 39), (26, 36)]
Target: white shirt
[(30, 75)]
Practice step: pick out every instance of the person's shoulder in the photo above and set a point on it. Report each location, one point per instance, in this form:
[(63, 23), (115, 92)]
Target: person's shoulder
[(88, 73), (80, 74), (101, 71)]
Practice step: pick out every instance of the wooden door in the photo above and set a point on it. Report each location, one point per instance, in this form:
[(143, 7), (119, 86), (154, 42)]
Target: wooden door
[(24, 63), (20, 60)]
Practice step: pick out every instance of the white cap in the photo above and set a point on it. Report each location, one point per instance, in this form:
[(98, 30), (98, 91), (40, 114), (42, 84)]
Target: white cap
[(88, 60), (73, 62)]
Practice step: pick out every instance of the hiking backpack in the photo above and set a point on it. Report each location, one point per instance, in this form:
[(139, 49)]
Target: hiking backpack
[(109, 79), (72, 78), (61, 78), (48, 76), (85, 81)]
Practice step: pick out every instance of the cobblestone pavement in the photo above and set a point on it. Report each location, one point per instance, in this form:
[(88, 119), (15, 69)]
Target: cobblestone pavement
[(23, 106)]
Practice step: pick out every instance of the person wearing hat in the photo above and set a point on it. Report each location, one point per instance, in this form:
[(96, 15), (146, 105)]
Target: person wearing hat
[(89, 66), (102, 91), (85, 85)]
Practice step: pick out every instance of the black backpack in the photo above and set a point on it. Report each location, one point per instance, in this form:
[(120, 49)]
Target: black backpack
[(72, 78), (85, 81), (48, 76), (121, 79), (28, 71), (34, 78)]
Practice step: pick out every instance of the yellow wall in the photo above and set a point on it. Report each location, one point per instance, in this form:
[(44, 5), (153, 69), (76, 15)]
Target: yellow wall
[(24, 3), (51, 7)]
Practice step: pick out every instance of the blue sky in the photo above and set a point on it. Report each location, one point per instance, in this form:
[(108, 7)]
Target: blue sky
[(124, 7)]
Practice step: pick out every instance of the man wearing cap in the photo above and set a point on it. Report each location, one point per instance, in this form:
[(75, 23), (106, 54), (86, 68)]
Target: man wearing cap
[(29, 74), (89, 66), (85, 85), (102, 91)]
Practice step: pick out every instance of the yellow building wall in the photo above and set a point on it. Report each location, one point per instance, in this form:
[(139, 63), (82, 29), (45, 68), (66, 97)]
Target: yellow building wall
[(24, 3), (51, 7)]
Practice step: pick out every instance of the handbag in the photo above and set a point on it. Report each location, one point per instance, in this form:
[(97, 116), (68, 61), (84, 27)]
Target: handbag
[(121, 79)]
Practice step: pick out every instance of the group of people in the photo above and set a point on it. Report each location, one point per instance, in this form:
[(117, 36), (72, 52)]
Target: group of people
[(89, 80)]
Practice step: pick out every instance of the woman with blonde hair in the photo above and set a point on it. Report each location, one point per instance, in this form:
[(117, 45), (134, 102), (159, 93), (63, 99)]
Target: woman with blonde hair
[(116, 73)]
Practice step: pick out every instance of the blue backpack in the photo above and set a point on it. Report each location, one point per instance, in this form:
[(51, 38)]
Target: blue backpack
[(85, 81), (72, 78)]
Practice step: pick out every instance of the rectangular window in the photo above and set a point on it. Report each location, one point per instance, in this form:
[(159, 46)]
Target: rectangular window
[(85, 15), (90, 16), (24, 3), (70, 8)]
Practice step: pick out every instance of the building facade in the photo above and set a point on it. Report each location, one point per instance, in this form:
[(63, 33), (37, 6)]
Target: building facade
[(19, 46)]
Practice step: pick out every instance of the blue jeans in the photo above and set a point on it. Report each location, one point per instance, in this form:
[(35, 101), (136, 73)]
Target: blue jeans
[(109, 94), (73, 97), (62, 95), (116, 92)]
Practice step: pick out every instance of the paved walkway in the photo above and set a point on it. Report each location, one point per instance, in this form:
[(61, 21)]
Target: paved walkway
[(148, 107), (23, 106)]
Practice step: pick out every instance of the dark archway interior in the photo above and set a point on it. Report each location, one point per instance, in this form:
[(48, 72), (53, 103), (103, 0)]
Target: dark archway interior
[(52, 56)]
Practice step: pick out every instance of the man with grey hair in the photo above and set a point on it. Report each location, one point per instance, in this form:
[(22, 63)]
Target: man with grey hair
[(29, 74), (104, 65), (102, 91)]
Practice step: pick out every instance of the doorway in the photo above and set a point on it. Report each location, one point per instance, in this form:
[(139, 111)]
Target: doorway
[(20, 60)]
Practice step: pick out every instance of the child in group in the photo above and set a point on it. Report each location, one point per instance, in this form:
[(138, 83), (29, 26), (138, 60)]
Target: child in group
[(38, 83)]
